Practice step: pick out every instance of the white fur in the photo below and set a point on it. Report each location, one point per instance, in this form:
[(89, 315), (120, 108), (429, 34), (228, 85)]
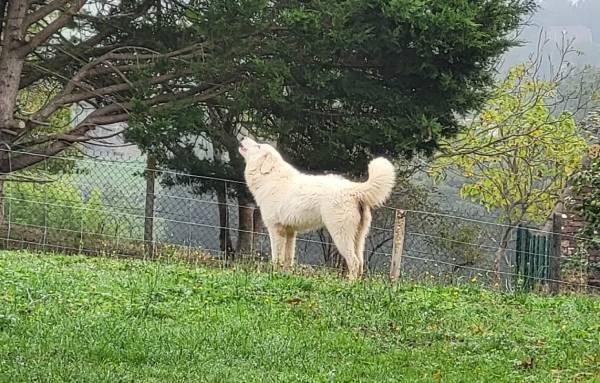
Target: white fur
[(292, 202)]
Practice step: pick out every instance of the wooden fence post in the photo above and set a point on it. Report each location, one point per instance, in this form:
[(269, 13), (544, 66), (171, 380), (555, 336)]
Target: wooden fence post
[(555, 254), (398, 246)]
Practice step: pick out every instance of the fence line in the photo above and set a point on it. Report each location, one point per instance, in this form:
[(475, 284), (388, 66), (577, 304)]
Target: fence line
[(192, 223), (126, 202), (425, 259), (494, 248), (498, 272), (491, 223), (204, 177), (167, 171), (262, 234)]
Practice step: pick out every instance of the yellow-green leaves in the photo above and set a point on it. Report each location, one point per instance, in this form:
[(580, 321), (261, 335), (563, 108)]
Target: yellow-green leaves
[(34, 98), (516, 154)]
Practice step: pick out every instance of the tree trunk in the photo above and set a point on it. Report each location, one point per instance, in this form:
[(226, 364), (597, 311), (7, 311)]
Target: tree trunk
[(149, 208), (11, 66), (245, 224), (502, 277), (224, 237)]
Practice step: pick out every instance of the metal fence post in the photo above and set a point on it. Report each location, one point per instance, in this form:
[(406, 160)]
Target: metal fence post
[(252, 234), (149, 206), (46, 223), (81, 229), (7, 218), (398, 245), (520, 258), (227, 238), (527, 269), (555, 254), (3, 211)]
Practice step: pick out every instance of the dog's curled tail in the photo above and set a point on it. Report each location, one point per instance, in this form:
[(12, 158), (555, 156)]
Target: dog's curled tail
[(378, 187)]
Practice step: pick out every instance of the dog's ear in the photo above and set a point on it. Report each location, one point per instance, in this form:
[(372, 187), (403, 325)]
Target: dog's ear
[(267, 164)]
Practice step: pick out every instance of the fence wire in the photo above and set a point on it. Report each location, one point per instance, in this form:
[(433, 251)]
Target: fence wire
[(96, 206)]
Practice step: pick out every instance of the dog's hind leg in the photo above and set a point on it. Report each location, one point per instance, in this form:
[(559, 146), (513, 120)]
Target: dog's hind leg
[(343, 228), (345, 245), (361, 235)]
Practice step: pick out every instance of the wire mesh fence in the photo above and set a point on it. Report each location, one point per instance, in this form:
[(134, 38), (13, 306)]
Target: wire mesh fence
[(99, 206)]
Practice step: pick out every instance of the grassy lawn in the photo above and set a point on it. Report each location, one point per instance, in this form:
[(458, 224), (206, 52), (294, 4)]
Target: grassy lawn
[(80, 319)]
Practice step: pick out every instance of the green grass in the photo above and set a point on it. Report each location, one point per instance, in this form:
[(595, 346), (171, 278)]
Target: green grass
[(83, 319)]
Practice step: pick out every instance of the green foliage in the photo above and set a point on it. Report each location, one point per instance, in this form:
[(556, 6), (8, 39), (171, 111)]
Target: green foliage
[(32, 99), (515, 154), (60, 206), (96, 217), (180, 138), (333, 82), (462, 240), (356, 78), (107, 320)]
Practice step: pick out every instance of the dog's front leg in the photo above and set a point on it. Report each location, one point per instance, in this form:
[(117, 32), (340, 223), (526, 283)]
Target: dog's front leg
[(278, 242), (290, 249)]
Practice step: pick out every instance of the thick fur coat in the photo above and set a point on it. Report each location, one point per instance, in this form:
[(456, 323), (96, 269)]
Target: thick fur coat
[(292, 202)]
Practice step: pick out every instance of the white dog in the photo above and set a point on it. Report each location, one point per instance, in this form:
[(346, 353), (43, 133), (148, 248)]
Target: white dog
[(292, 202)]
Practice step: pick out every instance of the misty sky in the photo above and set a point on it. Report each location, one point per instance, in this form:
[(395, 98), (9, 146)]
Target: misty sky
[(573, 19)]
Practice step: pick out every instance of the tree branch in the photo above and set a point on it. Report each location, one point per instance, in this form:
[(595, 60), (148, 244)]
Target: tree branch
[(110, 114), (42, 12), (42, 36), (112, 89)]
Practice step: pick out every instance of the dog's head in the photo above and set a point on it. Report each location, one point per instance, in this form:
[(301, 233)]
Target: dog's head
[(258, 157)]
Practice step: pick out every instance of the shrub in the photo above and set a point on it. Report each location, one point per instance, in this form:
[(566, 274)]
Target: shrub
[(61, 205)]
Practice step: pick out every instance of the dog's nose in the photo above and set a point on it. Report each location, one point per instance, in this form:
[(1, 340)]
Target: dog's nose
[(248, 141)]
